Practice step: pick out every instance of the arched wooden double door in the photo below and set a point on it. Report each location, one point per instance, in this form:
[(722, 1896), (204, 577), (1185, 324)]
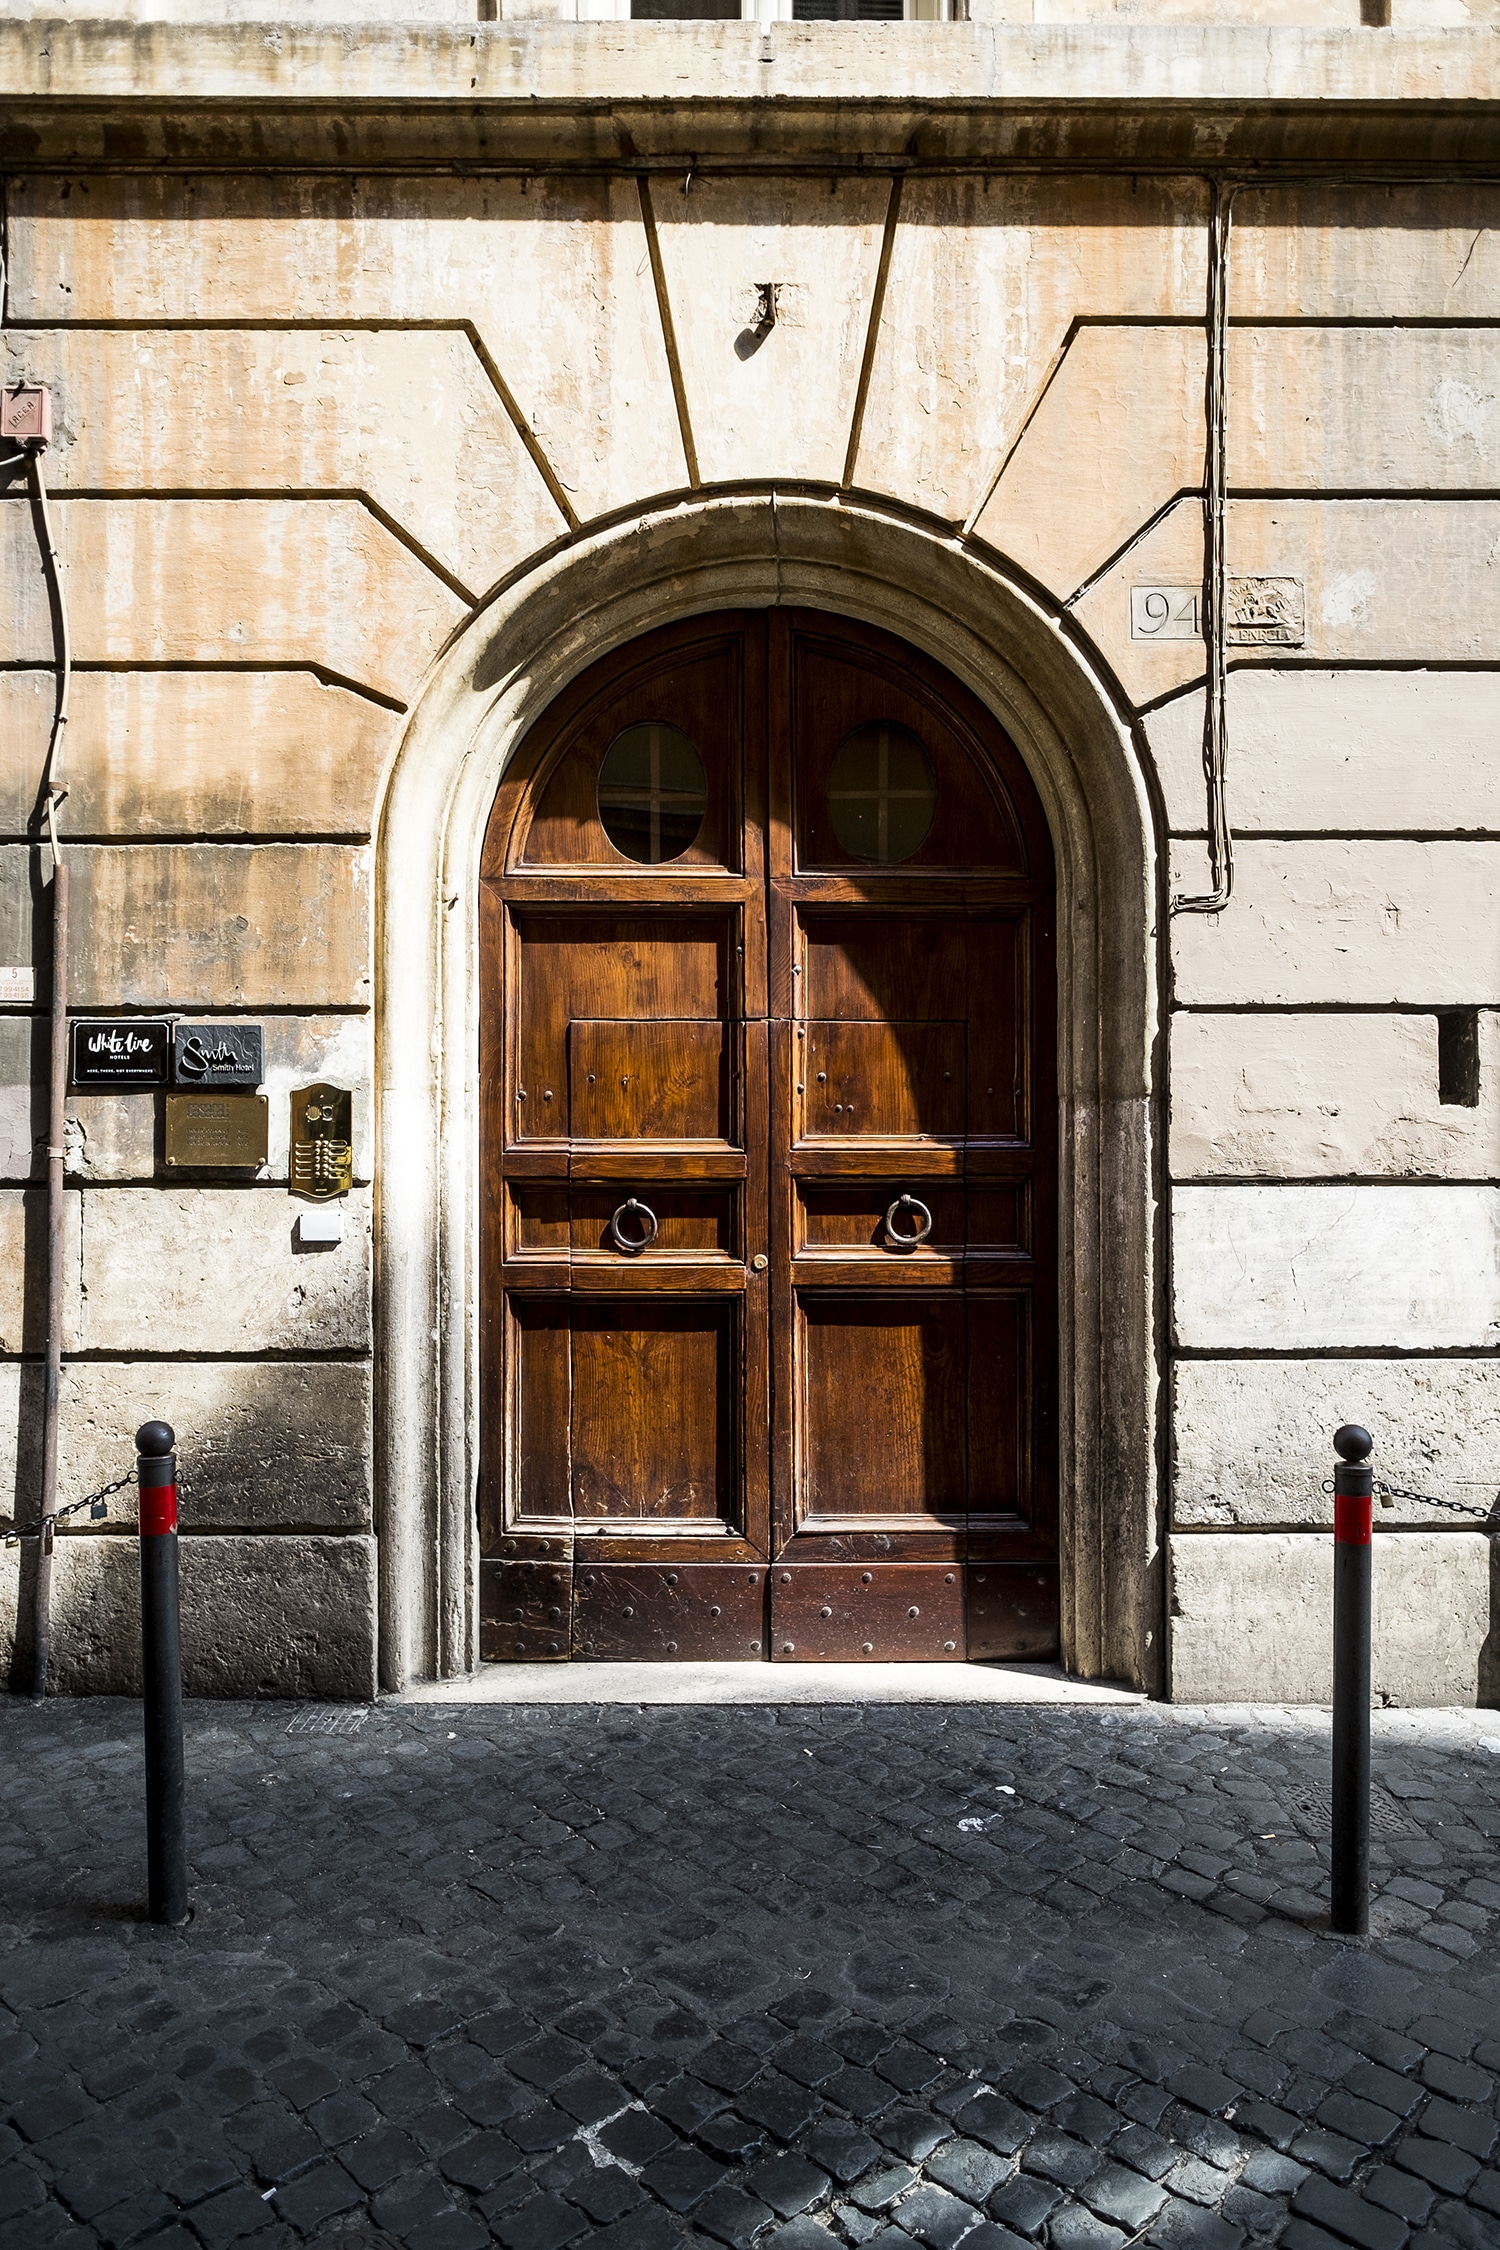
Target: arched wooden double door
[(769, 1252)]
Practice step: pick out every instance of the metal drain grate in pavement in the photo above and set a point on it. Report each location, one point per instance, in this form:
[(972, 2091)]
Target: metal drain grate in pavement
[(342, 1719), (1313, 1806)]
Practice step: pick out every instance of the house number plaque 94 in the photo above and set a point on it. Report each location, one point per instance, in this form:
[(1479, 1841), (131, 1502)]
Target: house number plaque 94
[(1260, 613), (322, 1141)]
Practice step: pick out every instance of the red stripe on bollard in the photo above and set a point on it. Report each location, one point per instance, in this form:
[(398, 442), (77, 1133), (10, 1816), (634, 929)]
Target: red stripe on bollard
[(1351, 1519), (158, 1510)]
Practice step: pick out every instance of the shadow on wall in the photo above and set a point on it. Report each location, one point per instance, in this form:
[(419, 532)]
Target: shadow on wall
[(278, 1561), (1489, 1654)]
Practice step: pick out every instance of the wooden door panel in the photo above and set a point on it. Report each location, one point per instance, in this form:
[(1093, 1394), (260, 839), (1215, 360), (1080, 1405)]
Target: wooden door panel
[(864, 967), (999, 972), (536, 1219), (902, 971), (652, 1416), (878, 1613), (539, 1360), (604, 968), (895, 1081), (998, 1435), (846, 1222), (883, 1433), (665, 1080), (691, 1222), (998, 1219)]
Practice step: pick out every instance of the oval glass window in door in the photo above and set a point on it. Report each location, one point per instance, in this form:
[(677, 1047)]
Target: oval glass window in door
[(882, 793), (652, 792)]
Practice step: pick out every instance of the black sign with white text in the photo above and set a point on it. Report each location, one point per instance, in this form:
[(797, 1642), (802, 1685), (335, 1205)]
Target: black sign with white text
[(218, 1054), (120, 1052)]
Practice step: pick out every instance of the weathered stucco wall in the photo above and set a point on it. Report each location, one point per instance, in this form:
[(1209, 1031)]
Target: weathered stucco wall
[(307, 424)]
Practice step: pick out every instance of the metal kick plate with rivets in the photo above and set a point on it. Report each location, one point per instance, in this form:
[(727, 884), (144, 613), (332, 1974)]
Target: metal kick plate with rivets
[(867, 1613), (526, 1612), (678, 1612), (1013, 1611)]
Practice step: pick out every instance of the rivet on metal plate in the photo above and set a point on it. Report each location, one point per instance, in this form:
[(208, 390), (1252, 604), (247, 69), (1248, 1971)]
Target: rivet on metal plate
[(950, 1646), (825, 1611), (788, 1648), (671, 1648), (627, 1612), (786, 1578), (671, 1577), (867, 1648), (714, 1610), (914, 1611), (865, 1577), (755, 1648)]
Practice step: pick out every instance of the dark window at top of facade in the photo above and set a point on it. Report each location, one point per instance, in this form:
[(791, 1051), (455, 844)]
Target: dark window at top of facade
[(684, 11), (847, 11)]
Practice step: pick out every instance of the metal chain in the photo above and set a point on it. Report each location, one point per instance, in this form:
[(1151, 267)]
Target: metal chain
[(95, 1502), (1390, 1492)]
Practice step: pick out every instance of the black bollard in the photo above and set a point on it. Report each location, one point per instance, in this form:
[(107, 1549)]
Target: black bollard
[(1352, 1483), (161, 1675)]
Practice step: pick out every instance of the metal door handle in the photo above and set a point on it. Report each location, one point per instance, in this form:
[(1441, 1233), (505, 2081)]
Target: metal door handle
[(641, 1213), (921, 1228)]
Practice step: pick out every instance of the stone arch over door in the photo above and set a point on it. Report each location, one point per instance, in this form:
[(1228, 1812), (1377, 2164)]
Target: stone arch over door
[(533, 637)]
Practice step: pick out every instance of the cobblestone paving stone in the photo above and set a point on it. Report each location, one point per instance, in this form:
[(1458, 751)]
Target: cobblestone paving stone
[(904, 1976)]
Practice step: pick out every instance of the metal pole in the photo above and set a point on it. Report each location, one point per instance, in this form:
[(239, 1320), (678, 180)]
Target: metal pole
[(1352, 1483), (51, 1397), (161, 1675), (53, 791)]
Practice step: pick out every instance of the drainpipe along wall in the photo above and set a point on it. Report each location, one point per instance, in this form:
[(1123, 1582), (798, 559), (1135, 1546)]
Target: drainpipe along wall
[(51, 796)]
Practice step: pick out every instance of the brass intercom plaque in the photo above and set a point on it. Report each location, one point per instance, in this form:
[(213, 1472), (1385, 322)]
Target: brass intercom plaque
[(322, 1143), (217, 1132)]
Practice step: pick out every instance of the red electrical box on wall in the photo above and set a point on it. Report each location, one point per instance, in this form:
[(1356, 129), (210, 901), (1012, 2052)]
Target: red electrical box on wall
[(26, 413)]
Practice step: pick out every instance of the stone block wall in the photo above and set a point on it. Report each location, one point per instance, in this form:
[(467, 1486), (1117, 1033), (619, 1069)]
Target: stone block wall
[(306, 423)]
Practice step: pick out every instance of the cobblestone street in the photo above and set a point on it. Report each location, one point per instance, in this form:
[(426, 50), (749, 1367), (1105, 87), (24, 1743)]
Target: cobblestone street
[(462, 1974)]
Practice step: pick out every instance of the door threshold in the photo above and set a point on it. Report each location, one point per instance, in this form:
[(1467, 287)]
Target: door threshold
[(760, 1683)]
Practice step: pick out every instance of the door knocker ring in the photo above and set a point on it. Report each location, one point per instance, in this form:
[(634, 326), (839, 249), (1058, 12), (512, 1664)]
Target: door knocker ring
[(922, 1223), (641, 1213)]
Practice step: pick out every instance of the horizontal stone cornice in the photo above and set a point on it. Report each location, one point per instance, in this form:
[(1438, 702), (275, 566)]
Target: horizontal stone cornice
[(95, 92)]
